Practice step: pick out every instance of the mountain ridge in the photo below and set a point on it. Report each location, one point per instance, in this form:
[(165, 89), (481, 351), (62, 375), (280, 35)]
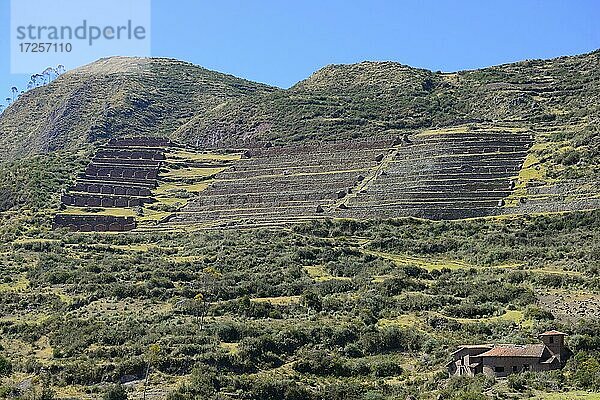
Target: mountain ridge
[(113, 96), (557, 100)]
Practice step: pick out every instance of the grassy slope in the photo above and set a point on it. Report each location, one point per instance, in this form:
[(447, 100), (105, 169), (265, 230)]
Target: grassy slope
[(557, 100), (336, 318), (112, 97), (383, 97)]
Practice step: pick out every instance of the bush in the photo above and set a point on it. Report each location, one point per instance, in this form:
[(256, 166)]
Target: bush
[(386, 368), (115, 392), (517, 382), (5, 366), (586, 371), (534, 312)]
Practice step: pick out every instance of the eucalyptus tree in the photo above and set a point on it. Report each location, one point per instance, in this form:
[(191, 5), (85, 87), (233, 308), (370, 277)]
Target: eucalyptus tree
[(47, 74)]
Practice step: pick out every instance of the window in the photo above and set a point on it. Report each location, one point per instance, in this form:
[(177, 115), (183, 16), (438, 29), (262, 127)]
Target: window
[(515, 368), (525, 367), (551, 339), (498, 369)]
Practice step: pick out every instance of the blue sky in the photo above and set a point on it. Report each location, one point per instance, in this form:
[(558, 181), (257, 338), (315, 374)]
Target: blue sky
[(282, 42)]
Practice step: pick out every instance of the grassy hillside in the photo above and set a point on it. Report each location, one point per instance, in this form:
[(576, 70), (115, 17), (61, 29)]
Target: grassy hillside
[(369, 98), (112, 97), (332, 308), (367, 310), (557, 100)]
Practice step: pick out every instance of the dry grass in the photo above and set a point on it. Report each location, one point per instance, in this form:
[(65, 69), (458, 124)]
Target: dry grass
[(192, 156), (282, 301), (20, 285), (428, 263), (319, 274), (192, 173), (572, 395)]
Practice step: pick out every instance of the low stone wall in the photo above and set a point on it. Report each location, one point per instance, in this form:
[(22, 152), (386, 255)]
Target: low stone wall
[(94, 223), (118, 190), (122, 172), (122, 154), (89, 200), (102, 180), (139, 142)]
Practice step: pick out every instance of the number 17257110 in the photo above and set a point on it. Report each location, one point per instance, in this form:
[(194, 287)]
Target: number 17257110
[(45, 47)]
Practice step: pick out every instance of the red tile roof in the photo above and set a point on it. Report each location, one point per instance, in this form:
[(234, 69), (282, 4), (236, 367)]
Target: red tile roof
[(481, 347), (553, 333), (511, 350)]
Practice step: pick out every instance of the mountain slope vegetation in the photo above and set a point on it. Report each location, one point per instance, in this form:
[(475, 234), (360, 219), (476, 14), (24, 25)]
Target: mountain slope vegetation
[(557, 100), (114, 97), (331, 308), (375, 98)]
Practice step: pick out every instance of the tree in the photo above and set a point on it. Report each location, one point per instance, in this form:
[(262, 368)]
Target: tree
[(209, 280), (5, 366), (152, 356), (201, 308), (428, 84), (586, 371), (115, 392), (47, 74), (198, 306), (312, 301), (15, 91), (208, 286), (33, 82)]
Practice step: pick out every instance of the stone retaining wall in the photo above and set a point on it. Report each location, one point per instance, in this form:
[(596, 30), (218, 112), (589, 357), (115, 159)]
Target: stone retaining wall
[(94, 223)]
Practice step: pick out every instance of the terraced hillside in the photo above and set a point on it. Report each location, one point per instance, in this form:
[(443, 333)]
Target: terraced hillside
[(121, 175), (556, 102), (282, 184), (438, 176), (136, 182), (444, 176)]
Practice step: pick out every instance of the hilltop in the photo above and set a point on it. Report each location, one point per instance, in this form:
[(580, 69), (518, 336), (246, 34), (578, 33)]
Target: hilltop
[(557, 99), (375, 98), (113, 97), (549, 106)]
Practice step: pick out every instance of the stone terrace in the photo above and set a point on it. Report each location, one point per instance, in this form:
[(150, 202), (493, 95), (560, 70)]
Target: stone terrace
[(442, 176), (121, 175), (290, 183)]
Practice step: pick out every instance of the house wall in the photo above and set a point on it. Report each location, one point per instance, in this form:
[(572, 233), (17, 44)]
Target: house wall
[(555, 343), (490, 365), (464, 357)]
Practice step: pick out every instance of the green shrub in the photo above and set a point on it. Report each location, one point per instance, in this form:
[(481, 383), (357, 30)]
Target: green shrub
[(115, 392), (5, 366)]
